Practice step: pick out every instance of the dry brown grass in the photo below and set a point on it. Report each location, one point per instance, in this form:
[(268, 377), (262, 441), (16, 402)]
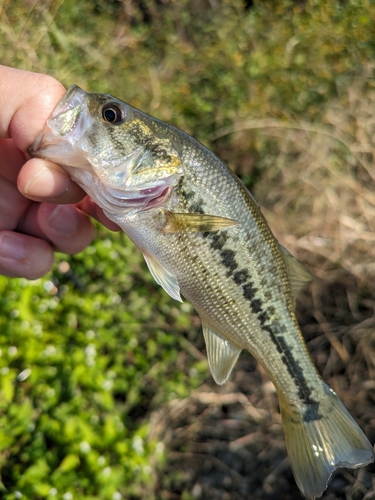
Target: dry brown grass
[(227, 442), (322, 202)]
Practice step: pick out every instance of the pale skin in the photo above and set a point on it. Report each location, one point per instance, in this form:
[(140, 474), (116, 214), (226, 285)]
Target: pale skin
[(42, 211)]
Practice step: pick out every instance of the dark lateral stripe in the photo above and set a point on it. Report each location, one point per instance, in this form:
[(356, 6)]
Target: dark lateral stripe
[(249, 291), (241, 276), (292, 364), (312, 413), (256, 306), (263, 317), (197, 207), (227, 258), (188, 195), (217, 241), (294, 369)]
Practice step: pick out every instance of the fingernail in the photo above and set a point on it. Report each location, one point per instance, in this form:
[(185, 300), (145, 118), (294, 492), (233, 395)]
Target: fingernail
[(47, 182), (64, 219), (11, 247)]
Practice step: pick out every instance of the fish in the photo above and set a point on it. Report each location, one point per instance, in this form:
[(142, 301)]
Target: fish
[(203, 235)]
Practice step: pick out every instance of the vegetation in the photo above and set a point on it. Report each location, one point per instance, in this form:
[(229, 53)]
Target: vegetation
[(98, 367)]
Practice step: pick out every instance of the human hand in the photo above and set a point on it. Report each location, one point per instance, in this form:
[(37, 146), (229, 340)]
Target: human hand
[(41, 209)]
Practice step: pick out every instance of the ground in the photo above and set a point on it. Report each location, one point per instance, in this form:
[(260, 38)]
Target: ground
[(227, 443)]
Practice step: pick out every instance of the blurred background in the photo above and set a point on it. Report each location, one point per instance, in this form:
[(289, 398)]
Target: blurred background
[(105, 391)]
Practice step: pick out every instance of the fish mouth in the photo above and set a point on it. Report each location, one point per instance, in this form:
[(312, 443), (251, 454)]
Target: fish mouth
[(64, 129)]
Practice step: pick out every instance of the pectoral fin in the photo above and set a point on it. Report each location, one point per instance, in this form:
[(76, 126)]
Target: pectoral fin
[(182, 223), (221, 354), (299, 276), (163, 277)]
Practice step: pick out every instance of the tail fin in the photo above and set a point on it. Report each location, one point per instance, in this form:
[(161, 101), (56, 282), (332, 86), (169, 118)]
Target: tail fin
[(318, 442)]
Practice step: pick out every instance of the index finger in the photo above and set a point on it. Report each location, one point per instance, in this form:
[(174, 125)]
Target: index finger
[(26, 102)]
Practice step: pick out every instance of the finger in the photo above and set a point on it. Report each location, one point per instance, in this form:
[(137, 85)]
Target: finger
[(11, 160), (43, 181), (67, 228), (91, 208), (26, 102), (12, 205), (22, 255)]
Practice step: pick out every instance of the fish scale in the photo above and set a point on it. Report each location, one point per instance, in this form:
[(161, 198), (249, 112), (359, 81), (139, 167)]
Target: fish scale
[(202, 234)]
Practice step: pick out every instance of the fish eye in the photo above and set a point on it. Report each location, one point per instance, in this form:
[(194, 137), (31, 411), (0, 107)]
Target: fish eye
[(112, 113)]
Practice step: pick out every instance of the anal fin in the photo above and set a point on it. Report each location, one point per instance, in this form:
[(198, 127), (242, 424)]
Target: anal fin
[(221, 354), (163, 277)]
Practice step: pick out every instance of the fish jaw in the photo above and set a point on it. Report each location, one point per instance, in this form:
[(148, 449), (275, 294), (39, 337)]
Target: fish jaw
[(61, 139)]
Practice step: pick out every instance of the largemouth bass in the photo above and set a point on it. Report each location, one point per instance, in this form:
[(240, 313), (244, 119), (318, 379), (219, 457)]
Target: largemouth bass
[(203, 235)]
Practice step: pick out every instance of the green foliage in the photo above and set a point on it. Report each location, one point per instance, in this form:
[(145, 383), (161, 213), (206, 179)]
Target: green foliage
[(84, 355), (89, 350)]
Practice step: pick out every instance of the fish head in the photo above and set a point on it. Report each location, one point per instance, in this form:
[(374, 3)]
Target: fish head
[(113, 151)]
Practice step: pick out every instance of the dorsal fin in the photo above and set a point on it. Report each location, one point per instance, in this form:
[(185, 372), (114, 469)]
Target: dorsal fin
[(299, 276), (163, 277), (221, 354)]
